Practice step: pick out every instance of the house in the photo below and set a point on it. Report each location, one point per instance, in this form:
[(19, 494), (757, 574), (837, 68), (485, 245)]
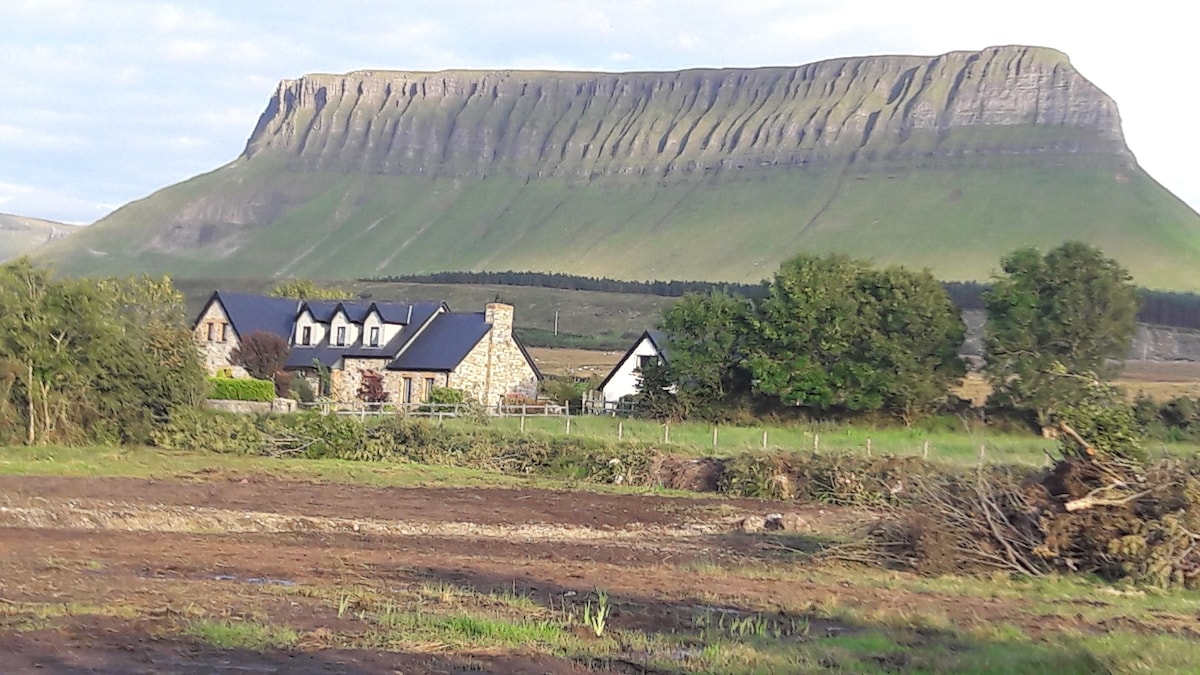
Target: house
[(625, 379), (406, 348)]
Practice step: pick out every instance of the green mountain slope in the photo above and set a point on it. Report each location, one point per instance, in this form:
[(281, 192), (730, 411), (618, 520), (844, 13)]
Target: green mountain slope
[(945, 162), (20, 235)]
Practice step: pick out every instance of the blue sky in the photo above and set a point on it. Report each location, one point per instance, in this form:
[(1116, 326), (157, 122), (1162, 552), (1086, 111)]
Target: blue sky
[(107, 101)]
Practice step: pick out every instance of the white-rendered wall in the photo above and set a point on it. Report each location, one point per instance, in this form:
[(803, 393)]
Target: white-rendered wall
[(627, 379), (306, 320)]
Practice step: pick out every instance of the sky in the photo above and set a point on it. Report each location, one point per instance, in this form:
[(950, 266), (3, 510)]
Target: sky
[(107, 101)]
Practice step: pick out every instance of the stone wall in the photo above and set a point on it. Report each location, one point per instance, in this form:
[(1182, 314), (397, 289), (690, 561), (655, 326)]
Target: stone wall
[(279, 405), (215, 352)]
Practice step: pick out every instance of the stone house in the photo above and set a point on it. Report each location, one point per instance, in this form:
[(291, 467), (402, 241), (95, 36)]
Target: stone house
[(407, 348)]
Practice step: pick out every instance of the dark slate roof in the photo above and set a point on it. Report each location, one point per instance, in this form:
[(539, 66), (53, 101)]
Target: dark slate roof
[(303, 356), (253, 313), (322, 310), (398, 312), (444, 344), (356, 311)]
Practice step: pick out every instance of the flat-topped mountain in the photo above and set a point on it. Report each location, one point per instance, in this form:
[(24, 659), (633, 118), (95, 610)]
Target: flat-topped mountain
[(944, 161)]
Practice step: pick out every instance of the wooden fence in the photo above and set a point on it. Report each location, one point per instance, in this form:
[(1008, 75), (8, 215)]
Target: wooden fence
[(437, 410)]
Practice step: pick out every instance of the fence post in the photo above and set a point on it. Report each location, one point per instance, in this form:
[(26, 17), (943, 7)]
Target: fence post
[(816, 442), (714, 438), (764, 439), (925, 450), (522, 422), (621, 430), (568, 424), (868, 446), (666, 432), (981, 454)]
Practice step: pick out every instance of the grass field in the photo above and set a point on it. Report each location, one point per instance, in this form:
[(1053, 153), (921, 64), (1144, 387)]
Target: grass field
[(956, 221), (128, 559)]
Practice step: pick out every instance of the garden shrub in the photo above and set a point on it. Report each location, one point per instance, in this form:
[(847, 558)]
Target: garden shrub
[(241, 389)]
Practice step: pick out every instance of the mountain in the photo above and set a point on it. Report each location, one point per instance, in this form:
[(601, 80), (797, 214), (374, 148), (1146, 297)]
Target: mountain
[(19, 235), (946, 162)]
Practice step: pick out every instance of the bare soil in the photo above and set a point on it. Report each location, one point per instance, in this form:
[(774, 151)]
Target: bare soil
[(102, 575)]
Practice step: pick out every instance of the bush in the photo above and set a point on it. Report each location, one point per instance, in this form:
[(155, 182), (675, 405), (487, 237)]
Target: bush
[(199, 430), (241, 389), (302, 389)]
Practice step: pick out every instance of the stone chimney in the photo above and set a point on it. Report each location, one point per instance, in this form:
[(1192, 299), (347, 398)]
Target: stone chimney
[(500, 316)]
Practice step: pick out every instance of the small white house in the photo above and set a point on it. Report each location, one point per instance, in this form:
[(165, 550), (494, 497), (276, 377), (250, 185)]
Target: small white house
[(626, 377)]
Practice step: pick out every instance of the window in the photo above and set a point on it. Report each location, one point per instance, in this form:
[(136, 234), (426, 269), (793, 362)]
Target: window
[(408, 390), (644, 361), (341, 336), (212, 331), (428, 387), (306, 335), (374, 336), (224, 332)]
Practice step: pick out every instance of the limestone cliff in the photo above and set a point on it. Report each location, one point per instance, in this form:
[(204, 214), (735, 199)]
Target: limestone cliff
[(945, 162), (892, 108)]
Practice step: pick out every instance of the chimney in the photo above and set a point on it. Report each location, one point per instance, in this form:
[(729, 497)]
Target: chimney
[(500, 316)]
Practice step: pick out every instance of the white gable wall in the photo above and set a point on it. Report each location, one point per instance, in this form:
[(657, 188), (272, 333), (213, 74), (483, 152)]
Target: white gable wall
[(626, 378), (340, 320), (306, 320)]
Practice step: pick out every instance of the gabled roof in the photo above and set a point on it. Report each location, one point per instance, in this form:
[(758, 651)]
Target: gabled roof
[(399, 312), (444, 344), (656, 338), (415, 317), (322, 310), (252, 313)]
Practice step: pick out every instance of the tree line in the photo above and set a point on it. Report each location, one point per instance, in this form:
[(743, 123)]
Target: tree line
[(1164, 308), (834, 336), (87, 361)]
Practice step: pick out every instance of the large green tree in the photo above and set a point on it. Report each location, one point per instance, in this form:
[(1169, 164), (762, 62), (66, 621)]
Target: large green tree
[(703, 369), (1056, 323), (836, 333)]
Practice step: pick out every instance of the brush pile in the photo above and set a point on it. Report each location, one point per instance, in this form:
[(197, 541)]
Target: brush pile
[(1098, 510)]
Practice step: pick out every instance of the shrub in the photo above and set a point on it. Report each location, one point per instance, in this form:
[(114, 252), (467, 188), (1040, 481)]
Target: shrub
[(262, 354), (302, 389), (196, 430), (241, 389)]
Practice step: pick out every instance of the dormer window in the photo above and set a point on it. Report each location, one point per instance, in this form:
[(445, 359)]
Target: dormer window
[(374, 336), (306, 335), (341, 336)]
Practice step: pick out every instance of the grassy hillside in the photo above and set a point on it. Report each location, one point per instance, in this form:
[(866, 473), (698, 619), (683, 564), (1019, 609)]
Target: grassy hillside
[(956, 221), (20, 235)]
